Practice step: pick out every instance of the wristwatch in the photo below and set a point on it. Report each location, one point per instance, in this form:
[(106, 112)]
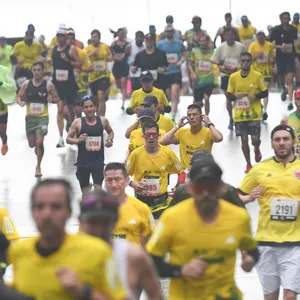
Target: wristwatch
[(210, 124)]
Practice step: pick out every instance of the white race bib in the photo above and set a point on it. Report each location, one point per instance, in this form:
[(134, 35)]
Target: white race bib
[(99, 66), (204, 66), (151, 187), (297, 150), (264, 59), (36, 109), (247, 42), (20, 81), (172, 58), (284, 209), (230, 63), (154, 74), (288, 49), (93, 143), (62, 75), (243, 103)]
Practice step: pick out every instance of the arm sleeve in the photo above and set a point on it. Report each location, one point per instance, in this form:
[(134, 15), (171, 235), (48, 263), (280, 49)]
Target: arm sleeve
[(164, 269), (132, 104)]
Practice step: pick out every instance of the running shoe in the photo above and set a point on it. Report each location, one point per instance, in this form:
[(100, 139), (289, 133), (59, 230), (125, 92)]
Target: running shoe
[(4, 149)]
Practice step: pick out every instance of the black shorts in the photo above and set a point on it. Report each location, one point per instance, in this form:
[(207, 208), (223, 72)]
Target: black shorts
[(286, 65), (224, 82), (66, 92), (101, 84), (199, 93), (120, 70), (170, 79), (247, 128), (78, 97), (3, 119), (83, 176)]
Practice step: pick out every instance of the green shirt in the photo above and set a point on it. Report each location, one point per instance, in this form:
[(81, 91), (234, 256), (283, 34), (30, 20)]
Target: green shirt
[(5, 61)]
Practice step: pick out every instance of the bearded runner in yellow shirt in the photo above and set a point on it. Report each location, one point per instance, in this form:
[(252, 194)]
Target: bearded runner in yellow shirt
[(246, 88), (194, 137), (99, 54), (147, 89), (263, 53), (246, 32), (49, 257), (202, 235), (277, 179), (151, 165)]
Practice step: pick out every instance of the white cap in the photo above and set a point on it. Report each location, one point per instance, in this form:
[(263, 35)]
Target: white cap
[(62, 26)]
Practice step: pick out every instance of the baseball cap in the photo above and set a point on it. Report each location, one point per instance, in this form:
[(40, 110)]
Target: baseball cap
[(71, 31), (202, 157), (149, 100), (196, 19), (296, 94), (169, 18), (146, 75), (2, 38), (62, 26), (146, 112), (205, 173), (61, 32), (244, 18), (169, 28), (296, 16), (152, 28), (30, 27), (98, 204)]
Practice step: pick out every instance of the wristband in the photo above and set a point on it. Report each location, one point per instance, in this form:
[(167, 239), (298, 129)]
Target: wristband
[(130, 182), (210, 124)]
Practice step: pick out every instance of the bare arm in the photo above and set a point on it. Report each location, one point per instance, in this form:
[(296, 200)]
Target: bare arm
[(170, 138), (76, 63), (132, 127), (75, 128), (109, 131), (21, 98), (52, 91)]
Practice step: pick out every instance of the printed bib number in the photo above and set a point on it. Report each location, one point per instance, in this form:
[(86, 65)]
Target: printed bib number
[(172, 58), (93, 143), (151, 187), (297, 150), (284, 209), (243, 103), (263, 59), (230, 63), (247, 42), (288, 48), (204, 66), (154, 74), (36, 108), (62, 75), (99, 66)]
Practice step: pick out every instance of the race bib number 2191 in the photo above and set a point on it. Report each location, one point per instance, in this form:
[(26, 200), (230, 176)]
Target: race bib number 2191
[(284, 209)]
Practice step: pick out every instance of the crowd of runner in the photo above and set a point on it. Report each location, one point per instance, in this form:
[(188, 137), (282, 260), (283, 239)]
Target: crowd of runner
[(126, 244)]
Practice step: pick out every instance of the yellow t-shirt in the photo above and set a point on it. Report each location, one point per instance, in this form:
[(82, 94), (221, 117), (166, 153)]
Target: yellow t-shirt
[(135, 221), (7, 225), (254, 83), (279, 219), (297, 47), (262, 64), (190, 143), (98, 61), (165, 123), (80, 76), (136, 139), (3, 108), (153, 170), (246, 35), (183, 234), (294, 121), (89, 257), (30, 54), (139, 95)]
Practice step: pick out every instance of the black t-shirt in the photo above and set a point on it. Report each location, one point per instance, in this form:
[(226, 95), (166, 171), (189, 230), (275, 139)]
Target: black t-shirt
[(282, 36), (152, 61)]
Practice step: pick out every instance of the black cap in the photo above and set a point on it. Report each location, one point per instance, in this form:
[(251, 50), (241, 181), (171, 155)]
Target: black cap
[(146, 75), (169, 18), (202, 157), (283, 127), (205, 173), (149, 100), (146, 112), (244, 18), (30, 27), (99, 204)]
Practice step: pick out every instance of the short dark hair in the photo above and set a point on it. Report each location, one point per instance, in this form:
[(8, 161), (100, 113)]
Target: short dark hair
[(120, 29), (87, 98), (139, 33), (285, 13), (150, 124), (97, 32), (116, 166), (38, 63), (285, 128), (195, 106), (229, 29), (49, 182), (246, 53)]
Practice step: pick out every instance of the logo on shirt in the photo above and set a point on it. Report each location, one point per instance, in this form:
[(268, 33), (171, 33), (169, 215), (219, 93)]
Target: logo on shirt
[(269, 175), (202, 143), (132, 221), (297, 174), (230, 240), (162, 167)]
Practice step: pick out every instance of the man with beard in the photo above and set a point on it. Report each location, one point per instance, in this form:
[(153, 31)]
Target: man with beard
[(202, 234), (279, 217)]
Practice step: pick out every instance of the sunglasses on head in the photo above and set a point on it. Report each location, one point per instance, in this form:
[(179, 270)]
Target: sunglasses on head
[(87, 97)]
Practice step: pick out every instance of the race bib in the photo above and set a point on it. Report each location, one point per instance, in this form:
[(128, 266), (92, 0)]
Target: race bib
[(151, 187), (297, 150), (99, 66), (36, 109), (230, 63), (172, 58), (284, 209), (154, 74), (243, 103), (263, 59), (93, 143), (204, 66), (62, 75), (247, 42), (20, 81), (288, 49)]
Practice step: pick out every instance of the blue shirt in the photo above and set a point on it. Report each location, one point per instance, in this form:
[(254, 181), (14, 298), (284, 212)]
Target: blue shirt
[(173, 51)]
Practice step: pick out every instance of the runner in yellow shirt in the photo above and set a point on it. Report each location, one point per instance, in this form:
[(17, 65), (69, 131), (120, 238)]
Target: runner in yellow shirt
[(194, 137), (151, 165), (263, 53), (99, 55), (246, 88), (147, 89), (246, 32), (203, 254), (277, 181)]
